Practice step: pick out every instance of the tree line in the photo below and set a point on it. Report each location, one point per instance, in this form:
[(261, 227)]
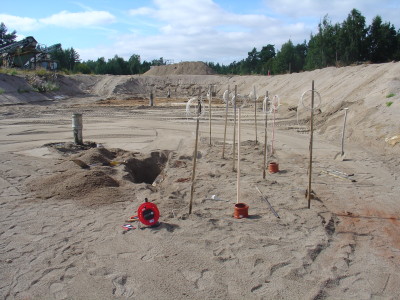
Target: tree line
[(340, 44)]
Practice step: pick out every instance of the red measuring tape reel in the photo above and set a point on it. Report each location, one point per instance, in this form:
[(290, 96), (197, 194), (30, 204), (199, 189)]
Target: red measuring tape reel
[(148, 213)]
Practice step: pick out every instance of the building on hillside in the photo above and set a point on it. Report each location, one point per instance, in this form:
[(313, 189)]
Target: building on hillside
[(28, 54)]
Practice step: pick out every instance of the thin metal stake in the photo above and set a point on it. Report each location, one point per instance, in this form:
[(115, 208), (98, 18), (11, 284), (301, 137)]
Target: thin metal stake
[(199, 108), (226, 123), (270, 206), (238, 161), (234, 130), (209, 107), (311, 145), (265, 137), (255, 111)]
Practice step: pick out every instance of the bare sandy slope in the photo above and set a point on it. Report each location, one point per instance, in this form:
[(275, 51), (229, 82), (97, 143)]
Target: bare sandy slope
[(60, 225)]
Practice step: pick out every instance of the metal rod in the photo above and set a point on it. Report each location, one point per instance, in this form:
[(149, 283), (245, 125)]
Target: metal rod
[(226, 123), (273, 124), (265, 136), (238, 161), (234, 130), (270, 206), (209, 107), (311, 145), (344, 128), (255, 111), (195, 151), (339, 175)]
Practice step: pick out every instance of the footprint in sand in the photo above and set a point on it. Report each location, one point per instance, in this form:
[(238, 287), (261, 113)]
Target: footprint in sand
[(123, 286), (150, 255), (202, 280)]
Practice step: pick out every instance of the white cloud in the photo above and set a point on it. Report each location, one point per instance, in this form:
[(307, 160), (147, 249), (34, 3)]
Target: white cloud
[(79, 19), (19, 23), (141, 11), (203, 30), (337, 10)]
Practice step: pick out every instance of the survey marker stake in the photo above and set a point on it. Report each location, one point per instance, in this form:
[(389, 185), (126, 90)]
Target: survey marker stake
[(265, 105), (311, 146), (226, 121), (234, 131), (199, 108)]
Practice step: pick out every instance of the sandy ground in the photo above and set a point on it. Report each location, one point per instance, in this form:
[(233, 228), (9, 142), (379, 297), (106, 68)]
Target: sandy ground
[(61, 225)]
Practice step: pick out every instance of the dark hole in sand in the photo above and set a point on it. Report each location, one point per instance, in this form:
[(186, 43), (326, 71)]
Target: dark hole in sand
[(146, 170)]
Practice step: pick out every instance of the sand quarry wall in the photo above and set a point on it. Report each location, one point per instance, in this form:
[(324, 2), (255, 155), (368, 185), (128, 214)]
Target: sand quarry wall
[(371, 92)]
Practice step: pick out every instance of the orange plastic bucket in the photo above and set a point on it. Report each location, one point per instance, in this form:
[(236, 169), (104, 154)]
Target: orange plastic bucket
[(273, 167), (241, 211)]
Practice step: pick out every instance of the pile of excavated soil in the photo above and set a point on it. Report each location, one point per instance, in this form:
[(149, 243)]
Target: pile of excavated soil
[(76, 184), (93, 175), (183, 68)]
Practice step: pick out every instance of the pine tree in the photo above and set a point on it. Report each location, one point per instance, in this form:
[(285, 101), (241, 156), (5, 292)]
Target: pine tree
[(6, 38)]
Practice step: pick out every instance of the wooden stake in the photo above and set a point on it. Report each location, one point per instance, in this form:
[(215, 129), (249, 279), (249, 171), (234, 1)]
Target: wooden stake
[(344, 128), (234, 130), (238, 162), (226, 123), (311, 145), (255, 110), (265, 138), (209, 107), (199, 108)]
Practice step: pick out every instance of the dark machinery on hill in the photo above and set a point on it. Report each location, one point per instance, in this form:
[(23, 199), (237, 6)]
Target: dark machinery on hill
[(28, 54)]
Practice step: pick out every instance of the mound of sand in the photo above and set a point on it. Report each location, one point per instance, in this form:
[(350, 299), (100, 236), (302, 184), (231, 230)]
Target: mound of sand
[(183, 68), (93, 175)]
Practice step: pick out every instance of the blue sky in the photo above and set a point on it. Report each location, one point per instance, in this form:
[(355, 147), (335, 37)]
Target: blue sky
[(180, 30)]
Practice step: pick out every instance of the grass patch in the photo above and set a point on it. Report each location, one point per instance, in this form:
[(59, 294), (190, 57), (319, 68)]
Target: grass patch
[(1, 91), (43, 87), (8, 71), (389, 103), (390, 95)]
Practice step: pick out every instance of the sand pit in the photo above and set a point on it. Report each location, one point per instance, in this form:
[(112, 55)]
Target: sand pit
[(63, 206)]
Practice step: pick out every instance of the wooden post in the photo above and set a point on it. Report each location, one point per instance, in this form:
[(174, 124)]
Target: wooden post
[(234, 130), (311, 145), (265, 137), (199, 108), (255, 111), (209, 107), (151, 103), (238, 162), (226, 122)]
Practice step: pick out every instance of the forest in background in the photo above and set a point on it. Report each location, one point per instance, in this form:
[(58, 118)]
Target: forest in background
[(340, 44)]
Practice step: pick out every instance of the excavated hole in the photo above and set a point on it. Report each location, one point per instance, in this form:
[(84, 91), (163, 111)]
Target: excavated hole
[(146, 170)]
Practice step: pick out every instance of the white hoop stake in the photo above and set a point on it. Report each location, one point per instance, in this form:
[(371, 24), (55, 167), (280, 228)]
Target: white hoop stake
[(275, 103), (192, 109)]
